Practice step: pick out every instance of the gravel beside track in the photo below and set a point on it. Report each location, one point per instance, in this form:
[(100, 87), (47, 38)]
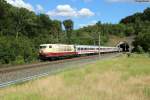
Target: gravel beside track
[(13, 76)]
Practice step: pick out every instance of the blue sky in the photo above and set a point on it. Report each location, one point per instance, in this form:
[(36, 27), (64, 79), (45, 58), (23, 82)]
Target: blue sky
[(83, 12)]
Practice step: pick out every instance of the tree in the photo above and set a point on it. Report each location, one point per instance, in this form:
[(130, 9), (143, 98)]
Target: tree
[(129, 30), (142, 40), (146, 14), (68, 24), (57, 29), (3, 8)]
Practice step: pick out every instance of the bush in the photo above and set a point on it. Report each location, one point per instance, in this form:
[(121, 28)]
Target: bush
[(14, 50), (19, 60), (142, 41), (140, 49)]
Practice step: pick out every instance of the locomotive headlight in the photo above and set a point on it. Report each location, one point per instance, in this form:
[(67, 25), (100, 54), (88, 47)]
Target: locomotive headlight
[(41, 51)]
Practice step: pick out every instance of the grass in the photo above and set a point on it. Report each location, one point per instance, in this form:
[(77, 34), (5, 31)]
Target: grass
[(120, 78)]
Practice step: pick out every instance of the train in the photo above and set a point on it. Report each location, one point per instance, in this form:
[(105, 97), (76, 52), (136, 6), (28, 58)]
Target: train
[(60, 50)]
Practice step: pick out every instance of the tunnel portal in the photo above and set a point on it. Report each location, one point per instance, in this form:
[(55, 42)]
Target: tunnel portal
[(124, 46)]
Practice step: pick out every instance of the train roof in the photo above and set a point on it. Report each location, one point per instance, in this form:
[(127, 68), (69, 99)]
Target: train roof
[(85, 46), (90, 46), (53, 44), (93, 46)]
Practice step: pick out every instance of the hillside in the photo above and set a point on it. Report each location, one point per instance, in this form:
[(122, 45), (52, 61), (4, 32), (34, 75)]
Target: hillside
[(114, 40), (141, 23)]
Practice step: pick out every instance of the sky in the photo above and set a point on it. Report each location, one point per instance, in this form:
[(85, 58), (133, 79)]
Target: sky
[(83, 12)]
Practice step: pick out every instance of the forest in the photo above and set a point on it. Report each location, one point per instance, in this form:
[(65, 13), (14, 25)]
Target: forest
[(22, 31)]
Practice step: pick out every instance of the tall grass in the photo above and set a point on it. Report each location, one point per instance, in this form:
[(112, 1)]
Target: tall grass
[(120, 78)]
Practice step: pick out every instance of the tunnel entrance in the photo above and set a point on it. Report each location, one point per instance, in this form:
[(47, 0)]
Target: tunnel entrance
[(124, 46)]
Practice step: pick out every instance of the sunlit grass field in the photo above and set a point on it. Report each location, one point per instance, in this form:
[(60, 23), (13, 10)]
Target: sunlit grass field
[(120, 78)]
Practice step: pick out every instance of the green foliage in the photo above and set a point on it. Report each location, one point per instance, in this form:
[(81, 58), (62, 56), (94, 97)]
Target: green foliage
[(140, 49), (19, 60), (129, 30), (139, 24), (142, 40), (143, 37), (16, 50)]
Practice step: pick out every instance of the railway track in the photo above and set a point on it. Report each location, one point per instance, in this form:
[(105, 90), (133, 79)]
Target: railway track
[(40, 64), (18, 74)]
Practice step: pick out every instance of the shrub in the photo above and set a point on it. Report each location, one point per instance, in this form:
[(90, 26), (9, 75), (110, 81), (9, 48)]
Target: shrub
[(14, 50), (19, 60), (140, 49)]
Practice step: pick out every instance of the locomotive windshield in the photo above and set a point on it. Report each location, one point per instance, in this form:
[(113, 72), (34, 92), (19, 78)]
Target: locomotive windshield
[(42, 47)]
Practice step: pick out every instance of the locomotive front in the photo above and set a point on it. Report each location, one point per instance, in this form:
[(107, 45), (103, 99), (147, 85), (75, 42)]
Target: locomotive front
[(44, 49)]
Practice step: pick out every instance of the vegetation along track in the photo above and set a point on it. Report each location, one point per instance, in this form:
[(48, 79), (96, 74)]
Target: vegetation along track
[(9, 76)]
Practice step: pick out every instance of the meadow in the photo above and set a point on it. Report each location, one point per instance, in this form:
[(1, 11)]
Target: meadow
[(120, 78)]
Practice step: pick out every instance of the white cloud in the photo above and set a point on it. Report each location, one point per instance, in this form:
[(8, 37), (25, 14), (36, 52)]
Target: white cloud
[(88, 24), (85, 12), (39, 8), (20, 4), (63, 10), (68, 11), (120, 0)]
